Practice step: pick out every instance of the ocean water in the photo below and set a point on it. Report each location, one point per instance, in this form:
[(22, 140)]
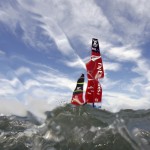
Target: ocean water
[(77, 128)]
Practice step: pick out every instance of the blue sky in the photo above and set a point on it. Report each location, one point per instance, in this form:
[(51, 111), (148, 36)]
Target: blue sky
[(44, 46)]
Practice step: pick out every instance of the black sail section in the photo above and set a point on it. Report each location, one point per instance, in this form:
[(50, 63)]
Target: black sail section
[(77, 97), (79, 86), (95, 45)]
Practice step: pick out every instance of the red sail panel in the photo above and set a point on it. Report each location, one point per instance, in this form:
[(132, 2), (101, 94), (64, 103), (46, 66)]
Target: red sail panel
[(97, 92), (95, 69), (90, 67), (93, 92), (89, 94), (95, 65), (77, 97), (98, 72)]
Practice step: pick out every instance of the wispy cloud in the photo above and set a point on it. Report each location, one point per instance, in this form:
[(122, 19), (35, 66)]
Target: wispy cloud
[(113, 24), (128, 20), (77, 62), (60, 81), (2, 53), (9, 87), (115, 101), (127, 53), (142, 68), (22, 70), (110, 66), (45, 86)]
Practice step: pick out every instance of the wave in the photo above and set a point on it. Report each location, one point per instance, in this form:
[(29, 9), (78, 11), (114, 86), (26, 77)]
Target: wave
[(77, 128)]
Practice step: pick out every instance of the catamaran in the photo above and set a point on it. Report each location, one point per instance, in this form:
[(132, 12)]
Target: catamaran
[(95, 72)]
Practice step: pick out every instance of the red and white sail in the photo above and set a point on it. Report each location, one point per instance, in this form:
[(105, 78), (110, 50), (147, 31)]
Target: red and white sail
[(95, 65), (95, 72), (93, 92)]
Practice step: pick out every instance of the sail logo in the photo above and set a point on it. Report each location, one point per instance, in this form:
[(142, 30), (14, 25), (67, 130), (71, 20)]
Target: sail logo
[(90, 87), (99, 68), (95, 44), (96, 99), (78, 88), (99, 88), (94, 58)]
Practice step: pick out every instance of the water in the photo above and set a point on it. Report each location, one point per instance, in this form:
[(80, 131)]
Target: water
[(77, 128)]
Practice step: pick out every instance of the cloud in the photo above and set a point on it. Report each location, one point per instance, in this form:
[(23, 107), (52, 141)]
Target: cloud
[(50, 79), (61, 40), (22, 70), (114, 102), (62, 26), (38, 95), (141, 84), (115, 24), (43, 76), (136, 91), (10, 87), (2, 53), (124, 17), (34, 83), (108, 83), (124, 53), (8, 107), (76, 63), (110, 66), (31, 83), (142, 68)]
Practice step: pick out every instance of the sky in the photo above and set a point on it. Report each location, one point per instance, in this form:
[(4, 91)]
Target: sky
[(44, 45)]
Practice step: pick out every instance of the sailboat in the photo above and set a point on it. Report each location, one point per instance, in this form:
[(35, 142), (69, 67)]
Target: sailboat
[(95, 72)]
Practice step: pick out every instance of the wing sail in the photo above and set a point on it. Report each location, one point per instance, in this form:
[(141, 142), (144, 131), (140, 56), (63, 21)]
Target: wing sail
[(95, 65), (95, 72), (77, 97), (93, 92)]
